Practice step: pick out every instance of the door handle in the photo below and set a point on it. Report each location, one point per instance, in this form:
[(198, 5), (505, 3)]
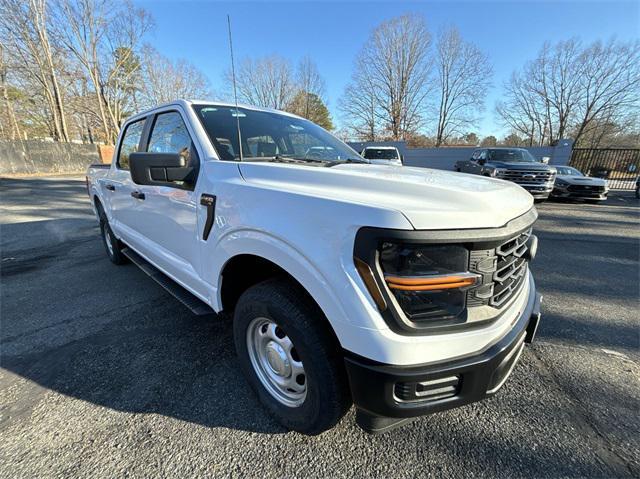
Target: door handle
[(138, 195), (110, 187)]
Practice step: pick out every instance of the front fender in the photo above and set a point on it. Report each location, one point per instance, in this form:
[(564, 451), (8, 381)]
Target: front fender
[(281, 253)]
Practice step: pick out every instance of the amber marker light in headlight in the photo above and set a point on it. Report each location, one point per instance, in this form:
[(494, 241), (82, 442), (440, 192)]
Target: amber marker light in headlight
[(369, 281), (434, 283)]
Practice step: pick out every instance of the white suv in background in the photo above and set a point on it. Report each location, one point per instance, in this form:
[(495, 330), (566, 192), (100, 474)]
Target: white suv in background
[(382, 155)]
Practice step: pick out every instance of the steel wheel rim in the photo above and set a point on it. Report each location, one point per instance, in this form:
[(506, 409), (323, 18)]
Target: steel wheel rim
[(107, 239), (276, 362)]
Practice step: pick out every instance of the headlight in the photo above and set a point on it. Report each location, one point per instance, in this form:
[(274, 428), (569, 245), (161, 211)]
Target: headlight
[(560, 182), (427, 281), (498, 172)]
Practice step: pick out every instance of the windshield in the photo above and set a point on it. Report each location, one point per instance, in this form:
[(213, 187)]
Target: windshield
[(511, 155), (568, 171), (269, 135), (380, 154)]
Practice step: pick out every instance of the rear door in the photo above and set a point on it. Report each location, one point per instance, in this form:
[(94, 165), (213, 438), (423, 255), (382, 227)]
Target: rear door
[(118, 187)]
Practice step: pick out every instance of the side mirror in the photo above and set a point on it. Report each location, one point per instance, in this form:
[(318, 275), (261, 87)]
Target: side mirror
[(482, 162), (545, 160), (159, 169)]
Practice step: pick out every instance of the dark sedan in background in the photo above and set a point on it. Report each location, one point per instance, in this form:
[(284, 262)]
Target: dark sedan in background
[(573, 184)]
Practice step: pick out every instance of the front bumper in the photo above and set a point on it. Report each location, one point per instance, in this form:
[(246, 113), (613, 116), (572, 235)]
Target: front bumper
[(579, 195), (387, 396), (539, 192)]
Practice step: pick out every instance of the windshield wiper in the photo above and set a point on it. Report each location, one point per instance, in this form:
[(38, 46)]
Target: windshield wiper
[(348, 160), (282, 159)]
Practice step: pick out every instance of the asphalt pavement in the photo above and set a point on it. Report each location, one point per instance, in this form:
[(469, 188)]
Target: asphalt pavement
[(103, 374)]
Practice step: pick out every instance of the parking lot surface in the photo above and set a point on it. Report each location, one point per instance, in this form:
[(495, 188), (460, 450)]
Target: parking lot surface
[(103, 374)]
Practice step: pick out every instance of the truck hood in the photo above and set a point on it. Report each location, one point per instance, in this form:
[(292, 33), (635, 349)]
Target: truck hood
[(520, 165), (582, 180), (429, 199)]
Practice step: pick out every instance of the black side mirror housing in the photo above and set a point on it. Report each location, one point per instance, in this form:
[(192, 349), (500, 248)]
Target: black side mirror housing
[(160, 169), (482, 162)]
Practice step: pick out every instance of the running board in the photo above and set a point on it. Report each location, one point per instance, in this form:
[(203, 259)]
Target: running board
[(197, 306)]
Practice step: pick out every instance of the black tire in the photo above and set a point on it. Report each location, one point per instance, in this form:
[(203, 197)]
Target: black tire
[(115, 252), (327, 393)]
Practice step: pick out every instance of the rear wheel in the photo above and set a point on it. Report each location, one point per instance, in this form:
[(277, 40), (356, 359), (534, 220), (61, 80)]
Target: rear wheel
[(111, 244), (289, 357)]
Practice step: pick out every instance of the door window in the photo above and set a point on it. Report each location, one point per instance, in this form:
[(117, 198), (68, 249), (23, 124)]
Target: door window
[(129, 143), (170, 135)]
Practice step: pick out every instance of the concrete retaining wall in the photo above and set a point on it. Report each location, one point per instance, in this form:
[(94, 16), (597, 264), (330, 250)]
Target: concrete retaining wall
[(41, 157), (445, 158)]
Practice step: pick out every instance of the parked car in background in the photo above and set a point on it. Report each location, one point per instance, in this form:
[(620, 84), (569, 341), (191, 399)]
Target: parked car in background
[(512, 164), (347, 282), (573, 184), (382, 155)]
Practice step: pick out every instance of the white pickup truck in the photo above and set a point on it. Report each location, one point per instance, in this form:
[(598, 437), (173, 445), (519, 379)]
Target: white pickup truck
[(403, 290)]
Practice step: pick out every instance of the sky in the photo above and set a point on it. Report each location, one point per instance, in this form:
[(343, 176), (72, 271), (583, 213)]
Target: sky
[(332, 33)]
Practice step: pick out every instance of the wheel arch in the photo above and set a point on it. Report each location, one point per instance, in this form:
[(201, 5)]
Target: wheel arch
[(245, 270), (251, 257)]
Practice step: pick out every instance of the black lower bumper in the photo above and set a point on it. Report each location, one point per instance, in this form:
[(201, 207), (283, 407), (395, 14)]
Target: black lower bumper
[(387, 395), (580, 195)]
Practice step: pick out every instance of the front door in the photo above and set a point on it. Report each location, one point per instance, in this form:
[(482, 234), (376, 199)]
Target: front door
[(167, 217)]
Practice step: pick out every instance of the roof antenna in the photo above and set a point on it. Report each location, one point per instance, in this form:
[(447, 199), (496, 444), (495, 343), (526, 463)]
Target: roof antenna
[(235, 94)]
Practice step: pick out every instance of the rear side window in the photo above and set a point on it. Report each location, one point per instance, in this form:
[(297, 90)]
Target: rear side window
[(130, 142), (170, 135)]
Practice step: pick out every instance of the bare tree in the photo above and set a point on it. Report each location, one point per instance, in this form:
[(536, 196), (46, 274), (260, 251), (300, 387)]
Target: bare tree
[(104, 37), (570, 89), (25, 31), (164, 80), (610, 85), (8, 104), (310, 87), (463, 78), (360, 109), (394, 66), (267, 82), (523, 111)]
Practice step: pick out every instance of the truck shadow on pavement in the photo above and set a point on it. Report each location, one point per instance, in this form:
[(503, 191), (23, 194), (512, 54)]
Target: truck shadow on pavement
[(158, 360)]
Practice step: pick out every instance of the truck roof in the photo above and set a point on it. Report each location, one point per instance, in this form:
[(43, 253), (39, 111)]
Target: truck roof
[(380, 147), (187, 103)]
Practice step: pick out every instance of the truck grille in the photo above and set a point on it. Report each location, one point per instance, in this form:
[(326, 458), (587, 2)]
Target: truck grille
[(585, 189), (503, 270), (529, 177)]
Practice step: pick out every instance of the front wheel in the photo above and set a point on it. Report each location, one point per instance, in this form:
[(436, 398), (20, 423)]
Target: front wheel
[(289, 357)]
